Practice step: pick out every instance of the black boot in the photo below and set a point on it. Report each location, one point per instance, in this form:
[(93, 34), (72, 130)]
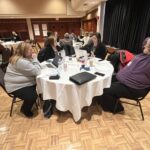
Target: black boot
[(26, 113)]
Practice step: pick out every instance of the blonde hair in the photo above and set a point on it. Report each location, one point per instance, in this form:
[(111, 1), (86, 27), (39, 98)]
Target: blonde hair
[(20, 52)]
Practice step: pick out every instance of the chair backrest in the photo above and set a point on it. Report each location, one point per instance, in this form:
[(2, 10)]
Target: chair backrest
[(141, 98), (2, 78), (2, 84), (69, 49), (6, 54), (1, 48)]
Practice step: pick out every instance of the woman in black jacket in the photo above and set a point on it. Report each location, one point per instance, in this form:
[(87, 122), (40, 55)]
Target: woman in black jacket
[(49, 49), (99, 49)]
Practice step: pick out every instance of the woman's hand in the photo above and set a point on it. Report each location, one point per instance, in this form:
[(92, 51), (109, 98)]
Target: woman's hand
[(34, 55), (92, 54)]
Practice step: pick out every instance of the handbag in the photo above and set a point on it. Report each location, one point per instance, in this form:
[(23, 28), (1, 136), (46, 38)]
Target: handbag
[(48, 108), (82, 77)]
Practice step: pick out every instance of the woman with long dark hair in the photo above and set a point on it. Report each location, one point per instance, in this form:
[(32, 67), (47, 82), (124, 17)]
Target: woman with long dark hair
[(49, 49), (99, 49)]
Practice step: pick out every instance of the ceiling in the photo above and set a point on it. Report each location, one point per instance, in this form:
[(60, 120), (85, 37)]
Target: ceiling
[(85, 5), (47, 8)]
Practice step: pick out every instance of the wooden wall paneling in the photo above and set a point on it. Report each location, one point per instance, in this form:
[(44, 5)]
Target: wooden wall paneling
[(62, 29), (89, 22), (90, 25), (94, 25), (61, 25), (74, 27), (9, 25), (85, 26)]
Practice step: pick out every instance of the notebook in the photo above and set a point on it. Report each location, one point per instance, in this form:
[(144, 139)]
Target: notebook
[(82, 77)]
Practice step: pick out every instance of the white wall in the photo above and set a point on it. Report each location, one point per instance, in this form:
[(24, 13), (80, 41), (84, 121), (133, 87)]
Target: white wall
[(101, 15)]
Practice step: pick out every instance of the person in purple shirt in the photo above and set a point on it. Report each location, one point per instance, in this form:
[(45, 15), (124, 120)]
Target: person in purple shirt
[(133, 81)]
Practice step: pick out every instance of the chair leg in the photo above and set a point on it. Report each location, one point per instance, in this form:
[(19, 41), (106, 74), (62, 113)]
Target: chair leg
[(40, 99), (36, 105), (141, 110), (13, 101), (116, 106)]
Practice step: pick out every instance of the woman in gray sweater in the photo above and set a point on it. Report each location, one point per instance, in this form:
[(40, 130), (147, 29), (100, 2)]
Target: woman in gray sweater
[(20, 77)]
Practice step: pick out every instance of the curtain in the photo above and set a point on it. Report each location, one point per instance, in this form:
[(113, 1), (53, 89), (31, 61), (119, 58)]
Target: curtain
[(127, 24)]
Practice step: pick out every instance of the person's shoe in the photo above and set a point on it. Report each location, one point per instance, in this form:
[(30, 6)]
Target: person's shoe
[(119, 109), (27, 114)]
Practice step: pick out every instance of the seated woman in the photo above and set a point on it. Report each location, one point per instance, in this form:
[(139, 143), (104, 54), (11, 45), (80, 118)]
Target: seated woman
[(66, 40), (89, 45), (95, 47), (133, 81), (86, 38), (49, 49), (67, 45), (56, 36), (99, 49), (20, 76)]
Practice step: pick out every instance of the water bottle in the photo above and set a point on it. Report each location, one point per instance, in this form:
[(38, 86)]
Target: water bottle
[(65, 66)]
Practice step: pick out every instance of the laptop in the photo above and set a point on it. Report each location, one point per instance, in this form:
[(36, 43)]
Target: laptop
[(53, 63), (56, 60)]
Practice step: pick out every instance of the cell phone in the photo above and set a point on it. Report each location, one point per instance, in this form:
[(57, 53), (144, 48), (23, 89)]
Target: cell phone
[(100, 74), (54, 77)]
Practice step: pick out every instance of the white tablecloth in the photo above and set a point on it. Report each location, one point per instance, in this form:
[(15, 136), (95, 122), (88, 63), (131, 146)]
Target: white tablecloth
[(11, 44), (70, 96)]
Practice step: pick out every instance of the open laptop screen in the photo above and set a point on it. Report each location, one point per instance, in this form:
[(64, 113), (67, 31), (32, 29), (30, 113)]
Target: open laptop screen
[(56, 60)]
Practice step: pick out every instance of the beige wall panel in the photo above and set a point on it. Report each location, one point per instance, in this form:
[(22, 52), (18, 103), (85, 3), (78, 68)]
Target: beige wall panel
[(19, 7)]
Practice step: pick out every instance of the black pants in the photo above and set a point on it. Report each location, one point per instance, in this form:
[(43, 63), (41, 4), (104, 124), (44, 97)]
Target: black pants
[(29, 95), (116, 91)]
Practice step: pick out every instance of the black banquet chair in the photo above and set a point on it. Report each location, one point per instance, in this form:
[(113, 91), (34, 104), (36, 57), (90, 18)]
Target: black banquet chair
[(69, 49), (6, 54), (137, 103), (14, 98)]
